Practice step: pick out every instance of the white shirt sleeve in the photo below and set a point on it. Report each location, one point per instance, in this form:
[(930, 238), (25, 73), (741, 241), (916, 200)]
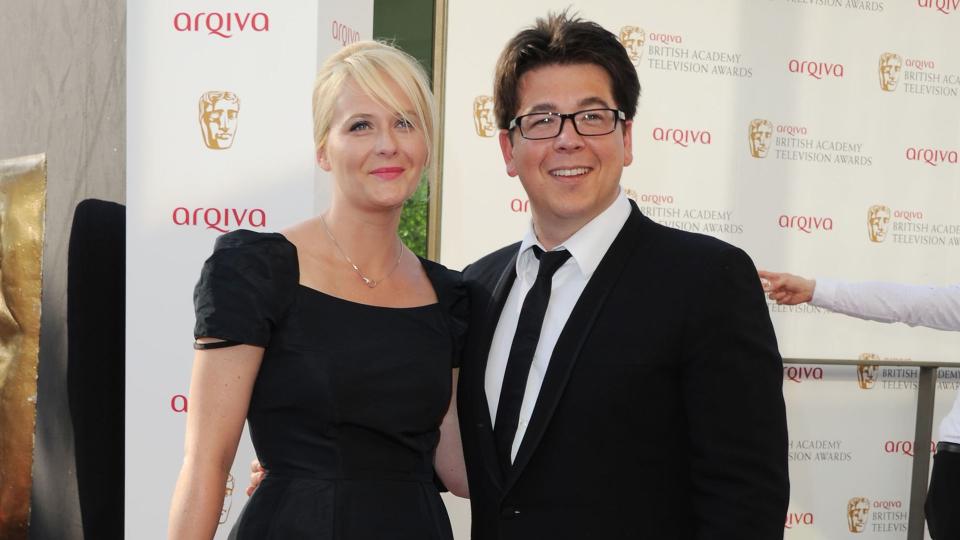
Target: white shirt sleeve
[(915, 305)]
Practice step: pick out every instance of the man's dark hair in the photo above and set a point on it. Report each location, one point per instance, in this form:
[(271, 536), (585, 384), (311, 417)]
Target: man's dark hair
[(562, 39)]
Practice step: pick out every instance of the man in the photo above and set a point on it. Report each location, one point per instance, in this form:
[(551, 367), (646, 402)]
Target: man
[(636, 392), (915, 305)]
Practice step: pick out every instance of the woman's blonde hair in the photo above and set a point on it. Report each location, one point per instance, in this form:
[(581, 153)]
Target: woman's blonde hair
[(371, 65)]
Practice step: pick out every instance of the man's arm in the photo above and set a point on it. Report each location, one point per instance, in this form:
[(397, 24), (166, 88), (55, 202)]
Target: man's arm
[(733, 392)]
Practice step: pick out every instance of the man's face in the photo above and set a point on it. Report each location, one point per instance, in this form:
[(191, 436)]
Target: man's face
[(220, 123), (890, 73), (760, 139), (857, 516), (483, 119), (879, 221), (570, 179)]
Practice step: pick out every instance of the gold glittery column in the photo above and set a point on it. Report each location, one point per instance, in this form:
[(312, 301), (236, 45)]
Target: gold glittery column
[(23, 185)]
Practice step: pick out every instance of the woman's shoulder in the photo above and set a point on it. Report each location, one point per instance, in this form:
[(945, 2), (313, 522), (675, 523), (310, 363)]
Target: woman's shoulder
[(441, 276), (246, 286), (448, 285), (266, 257), (243, 240)]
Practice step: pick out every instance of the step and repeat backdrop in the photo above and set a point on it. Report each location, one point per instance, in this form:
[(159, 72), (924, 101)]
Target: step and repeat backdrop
[(821, 136), (219, 137)]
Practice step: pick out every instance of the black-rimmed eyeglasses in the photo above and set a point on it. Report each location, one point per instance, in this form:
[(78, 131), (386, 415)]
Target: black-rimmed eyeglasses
[(547, 125)]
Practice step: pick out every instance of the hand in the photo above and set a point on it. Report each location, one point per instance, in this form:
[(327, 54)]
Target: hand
[(787, 288), (257, 474)]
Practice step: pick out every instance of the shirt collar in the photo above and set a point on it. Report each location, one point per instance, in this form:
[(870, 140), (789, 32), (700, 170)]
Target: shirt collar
[(588, 245)]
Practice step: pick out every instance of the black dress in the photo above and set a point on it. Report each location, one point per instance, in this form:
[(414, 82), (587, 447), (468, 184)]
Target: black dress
[(347, 404)]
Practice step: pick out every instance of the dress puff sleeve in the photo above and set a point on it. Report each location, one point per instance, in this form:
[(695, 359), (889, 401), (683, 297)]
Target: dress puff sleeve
[(452, 296), (245, 287)]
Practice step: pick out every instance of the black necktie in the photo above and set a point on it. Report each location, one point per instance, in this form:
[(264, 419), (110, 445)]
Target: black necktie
[(521, 352)]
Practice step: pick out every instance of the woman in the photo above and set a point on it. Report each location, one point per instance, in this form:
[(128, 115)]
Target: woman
[(333, 339)]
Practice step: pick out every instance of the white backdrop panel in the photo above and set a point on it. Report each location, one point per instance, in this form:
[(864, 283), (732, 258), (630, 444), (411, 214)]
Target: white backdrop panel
[(184, 189), (842, 140)]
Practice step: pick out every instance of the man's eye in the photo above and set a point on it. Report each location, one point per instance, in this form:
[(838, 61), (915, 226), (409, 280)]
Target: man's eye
[(542, 121)]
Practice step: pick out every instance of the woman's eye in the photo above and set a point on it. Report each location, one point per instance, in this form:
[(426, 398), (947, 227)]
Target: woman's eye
[(360, 125), (405, 123)]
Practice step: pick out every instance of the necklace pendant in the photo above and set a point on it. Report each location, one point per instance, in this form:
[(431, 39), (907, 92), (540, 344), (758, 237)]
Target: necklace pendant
[(371, 283)]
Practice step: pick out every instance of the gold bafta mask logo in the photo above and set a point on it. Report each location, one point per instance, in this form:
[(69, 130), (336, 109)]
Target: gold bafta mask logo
[(866, 372), (890, 66), (759, 133), (227, 499), (878, 222), (632, 38), (219, 112), (484, 121), (632, 194), (858, 510)]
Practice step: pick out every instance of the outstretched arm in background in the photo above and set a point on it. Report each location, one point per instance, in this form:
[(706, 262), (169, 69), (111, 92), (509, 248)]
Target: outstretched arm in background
[(915, 305), (786, 288)]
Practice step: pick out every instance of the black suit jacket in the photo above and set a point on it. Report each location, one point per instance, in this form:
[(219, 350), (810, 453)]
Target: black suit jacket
[(661, 415)]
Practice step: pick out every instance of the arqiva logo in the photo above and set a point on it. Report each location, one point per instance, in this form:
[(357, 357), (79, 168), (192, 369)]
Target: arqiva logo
[(932, 157), (904, 447), (806, 224), (798, 374), (220, 219), (178, 403), (943, 6), (795, 519), (817, 70), (221, 24), (682, 137), (343, 33)]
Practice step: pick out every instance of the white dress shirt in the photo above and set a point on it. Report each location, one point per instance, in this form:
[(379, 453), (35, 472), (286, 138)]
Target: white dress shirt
[(915, 305), (587, 248)]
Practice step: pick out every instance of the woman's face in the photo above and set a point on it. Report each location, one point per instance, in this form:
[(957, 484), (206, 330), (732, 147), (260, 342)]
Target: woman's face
[(375, 156)]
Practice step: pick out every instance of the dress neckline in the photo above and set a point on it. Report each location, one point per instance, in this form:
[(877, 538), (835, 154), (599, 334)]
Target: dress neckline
[(426, 270)]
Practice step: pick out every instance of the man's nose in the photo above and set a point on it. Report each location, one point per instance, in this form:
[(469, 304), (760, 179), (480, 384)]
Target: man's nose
[(568, 139)]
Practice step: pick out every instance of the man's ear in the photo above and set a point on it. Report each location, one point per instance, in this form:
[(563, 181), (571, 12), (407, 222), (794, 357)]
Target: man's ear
[(506, 148), (322, 159), (627, 142)]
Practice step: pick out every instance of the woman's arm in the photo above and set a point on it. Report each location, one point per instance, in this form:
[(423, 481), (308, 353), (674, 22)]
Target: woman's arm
[(220, 389), (448, 461)]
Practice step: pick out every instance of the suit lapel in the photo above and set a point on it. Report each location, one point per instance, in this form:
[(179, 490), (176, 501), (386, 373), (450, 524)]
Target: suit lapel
[(485, 338), (574, 335)]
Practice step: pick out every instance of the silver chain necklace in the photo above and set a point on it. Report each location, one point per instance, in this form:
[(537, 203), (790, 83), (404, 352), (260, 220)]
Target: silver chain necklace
[(369, 282)]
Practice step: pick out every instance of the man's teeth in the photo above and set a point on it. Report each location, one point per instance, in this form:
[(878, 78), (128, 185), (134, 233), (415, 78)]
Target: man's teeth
[(570, 172)]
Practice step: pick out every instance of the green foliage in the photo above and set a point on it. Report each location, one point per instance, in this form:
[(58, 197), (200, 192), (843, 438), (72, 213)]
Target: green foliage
[(413, 220), (408, 24)]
